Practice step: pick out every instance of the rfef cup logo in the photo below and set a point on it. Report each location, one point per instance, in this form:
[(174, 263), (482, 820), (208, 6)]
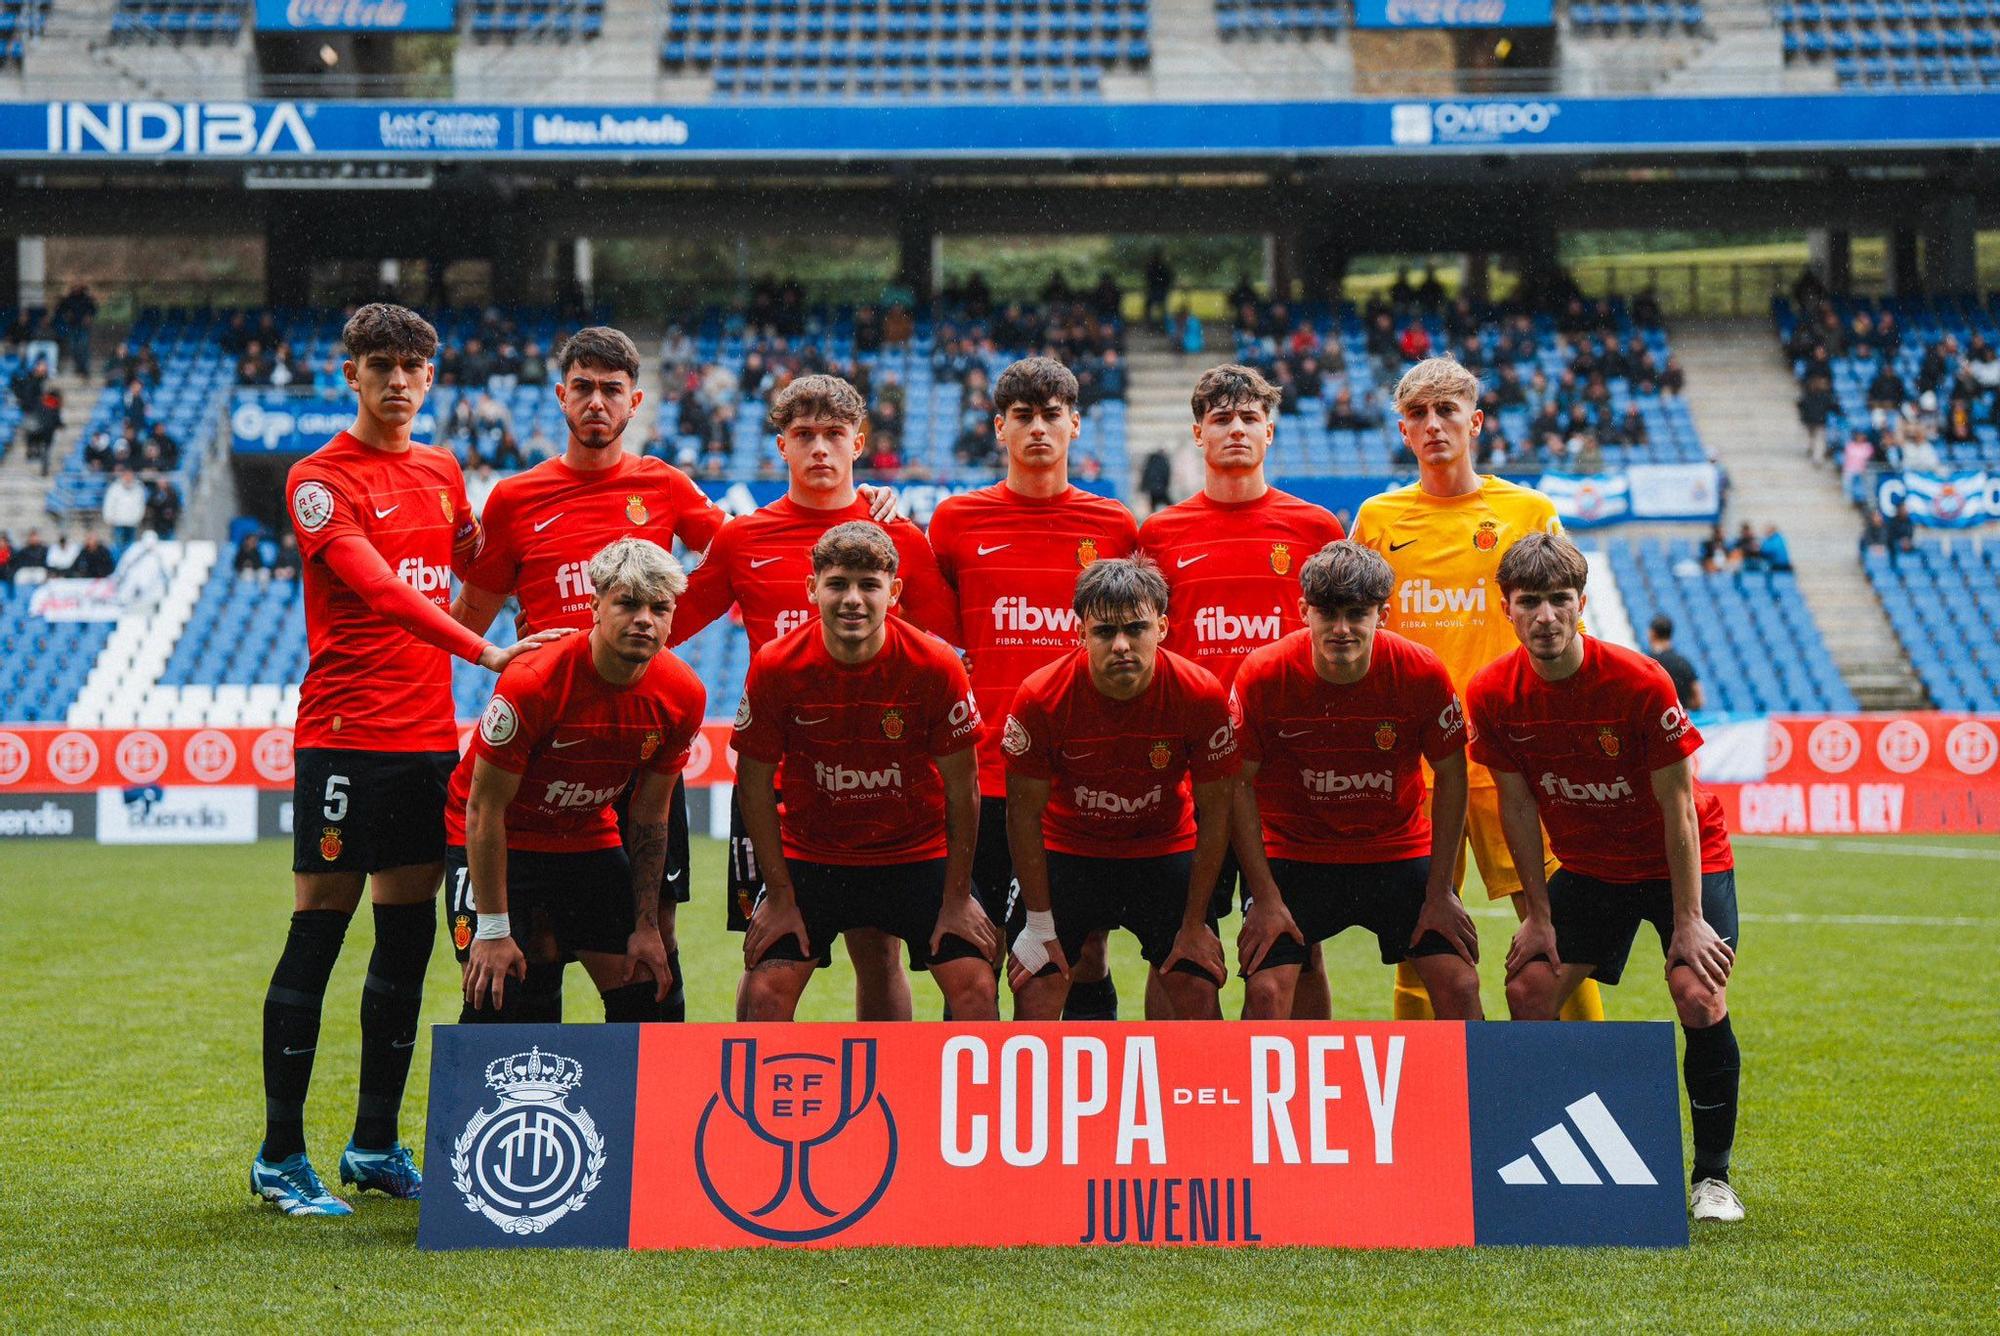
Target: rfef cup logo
[(796, 1146)]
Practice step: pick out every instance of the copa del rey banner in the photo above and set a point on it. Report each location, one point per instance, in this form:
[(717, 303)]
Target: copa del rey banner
[(1391, 1135), (1930, 773)]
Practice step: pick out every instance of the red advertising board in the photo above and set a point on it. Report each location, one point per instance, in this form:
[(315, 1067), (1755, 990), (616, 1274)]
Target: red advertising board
[(1888, 774), (41, 759)]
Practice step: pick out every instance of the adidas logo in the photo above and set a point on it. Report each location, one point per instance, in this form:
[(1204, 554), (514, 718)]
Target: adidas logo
[(1566, 1159)]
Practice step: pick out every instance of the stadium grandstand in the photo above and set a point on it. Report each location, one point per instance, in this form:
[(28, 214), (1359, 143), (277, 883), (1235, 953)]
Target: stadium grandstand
[(1331, 140)]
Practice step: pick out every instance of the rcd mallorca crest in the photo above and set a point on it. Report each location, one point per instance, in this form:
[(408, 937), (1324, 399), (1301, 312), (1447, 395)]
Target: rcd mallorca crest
[(532, 1160), (796, 1146)]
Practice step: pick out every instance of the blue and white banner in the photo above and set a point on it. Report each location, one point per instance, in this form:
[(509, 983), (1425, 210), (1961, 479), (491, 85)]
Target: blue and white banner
[(272, 422), (917, 499), (1454, 13), (356, 15), (1642, 492), (1943, 500), (938, 130), (1587, 502)]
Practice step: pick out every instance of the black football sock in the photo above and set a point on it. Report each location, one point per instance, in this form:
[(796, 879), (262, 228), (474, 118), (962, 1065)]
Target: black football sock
[(537, 999), (1710, 1070), (1096, 1001), (291, 1025), (392, 999), (632, 1004), (675, 1008)]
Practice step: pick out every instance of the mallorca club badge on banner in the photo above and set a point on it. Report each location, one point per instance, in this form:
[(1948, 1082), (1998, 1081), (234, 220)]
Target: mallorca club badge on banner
[(1366, 1135)]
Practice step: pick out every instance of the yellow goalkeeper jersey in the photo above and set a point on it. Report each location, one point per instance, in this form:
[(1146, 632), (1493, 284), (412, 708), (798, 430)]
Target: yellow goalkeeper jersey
[(1445, 551)]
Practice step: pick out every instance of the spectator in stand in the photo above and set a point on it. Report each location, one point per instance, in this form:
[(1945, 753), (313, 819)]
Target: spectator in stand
[(97, 453), (41, 426), (1919, 454), (28, 385), (1816, 405), (1857, 458), (1343, 414), (1899, 530), (1631, 428), (74, 316), (1660, 643), (328, 380), (31, 555), (285, 565), (124, 508), (479, 484), (253, 368), (1886, 393), (1415, 342), (93, 560), (169, 450), (1745, 551), (1773, 548), (1715, 554), (1874, 533), (534, 367), (1958, 428), (1159, 283), (475, 365), (1156, 480), (249, 558), (163, 507), (6, 556)]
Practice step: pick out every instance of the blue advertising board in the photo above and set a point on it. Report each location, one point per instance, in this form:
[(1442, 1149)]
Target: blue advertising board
[(272, 422), (1454, 13), (1963, 500), (917, 499), (1665, 492), (293, 131), (357, 15)]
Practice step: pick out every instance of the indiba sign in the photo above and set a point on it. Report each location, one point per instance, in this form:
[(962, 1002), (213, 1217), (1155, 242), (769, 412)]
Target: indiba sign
[(1361, 1135)]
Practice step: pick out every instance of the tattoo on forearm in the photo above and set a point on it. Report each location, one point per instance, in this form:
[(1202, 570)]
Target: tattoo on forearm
[(649, 862)]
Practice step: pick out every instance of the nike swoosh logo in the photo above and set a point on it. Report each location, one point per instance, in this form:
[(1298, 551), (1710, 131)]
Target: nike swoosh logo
[(763, 561), (1398, 547), (558, 746), (398, 1043), (295, 1052), (988, 551), (1185, 562), (547, 522), (1296, 733), (1704, 1107), (1525, 737), (1077, 756), (807, 723), (385, 514)]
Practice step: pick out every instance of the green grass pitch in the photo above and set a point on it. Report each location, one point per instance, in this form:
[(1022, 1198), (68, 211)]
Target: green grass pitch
[(130, 989)]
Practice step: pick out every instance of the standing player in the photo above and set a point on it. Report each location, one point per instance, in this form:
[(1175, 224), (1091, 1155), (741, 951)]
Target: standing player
[(533, 843), (874, 723), (1590, 741), (381, 523), (1120, 760), (1011, 553), (1335, 722), (762, 563), (1231, 555), (542, 527), (1445, 536)]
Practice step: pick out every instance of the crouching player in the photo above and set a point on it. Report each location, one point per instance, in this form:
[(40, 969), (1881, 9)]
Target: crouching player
[(1592, 740), (1335, 722), (1103, 747), (532, 841), (872, 724)]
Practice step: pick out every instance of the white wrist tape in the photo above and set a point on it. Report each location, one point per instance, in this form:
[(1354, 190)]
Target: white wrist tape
[(1031, 948), (492, 927)]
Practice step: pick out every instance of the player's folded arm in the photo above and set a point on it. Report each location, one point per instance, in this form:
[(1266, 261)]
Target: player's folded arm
[(361, 568)]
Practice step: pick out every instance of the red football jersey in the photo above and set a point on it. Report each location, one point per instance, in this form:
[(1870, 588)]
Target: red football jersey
[(545, 524), (371, 685), (859, 786), (576, 741), (1120, 772), (1013, 561), (1232, 569), (761, 562), (1588, 746), (1341, 776)]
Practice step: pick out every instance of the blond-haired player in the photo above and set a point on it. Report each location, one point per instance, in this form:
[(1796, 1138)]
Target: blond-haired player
[(1444, 536)]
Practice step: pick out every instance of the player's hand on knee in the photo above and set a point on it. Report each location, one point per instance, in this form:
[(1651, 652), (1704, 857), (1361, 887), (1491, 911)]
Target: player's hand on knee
[(1449, 919), (489, 965), (1035, 948), (1532, 940), (1264, 922), (769, 925), (966, 918), (1698, 946), (646, 958), (1201, 948)]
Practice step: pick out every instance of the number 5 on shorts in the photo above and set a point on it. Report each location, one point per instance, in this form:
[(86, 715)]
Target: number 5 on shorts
[(336, 797)]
